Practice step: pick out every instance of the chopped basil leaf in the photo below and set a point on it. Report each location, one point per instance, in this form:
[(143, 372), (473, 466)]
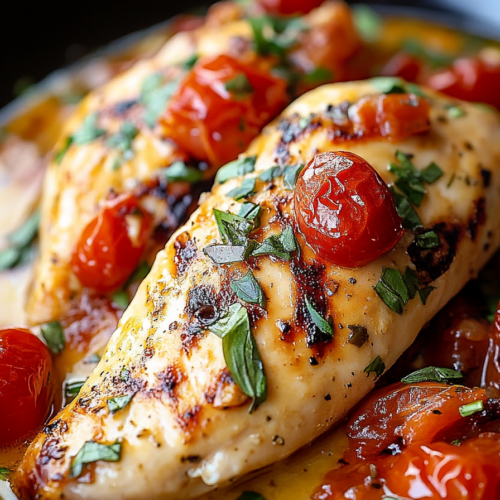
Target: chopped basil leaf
[(154, 96), (227, 254), (252, 212), (431, 374), (389, 84), (280, 38), (26, 233), (270, 174), (288, 240), (239, 86), (190, 62), (411, 281), (4, 473), (358, 335), (123, 138), (125, 374), (322, 324), (71, 389), (272, 246), (425, 292), (251, 495), (9, 258), (246, 189), (89, 131), (433, 58), (60, 154), (54, 336), (432, 173), (180, 172), (453, 111), (236, 168), (241, 354), (140, 272), (471, 408), (249, 290), (121, 299), (318, 76), (392, 289), (290, 176), (368, 23), (377, 366), (405, 210), (427, 240), (233, 228), (92, 452), (119, 402)]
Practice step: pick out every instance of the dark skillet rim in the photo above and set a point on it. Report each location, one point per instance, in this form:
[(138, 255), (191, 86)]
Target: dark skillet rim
[(444, 16)]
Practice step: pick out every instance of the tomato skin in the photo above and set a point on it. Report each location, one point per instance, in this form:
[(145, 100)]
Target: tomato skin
[(289, 7), (470, 79), (105, 255), (214, 124), (345, 210), (26, 389), (404, 66)]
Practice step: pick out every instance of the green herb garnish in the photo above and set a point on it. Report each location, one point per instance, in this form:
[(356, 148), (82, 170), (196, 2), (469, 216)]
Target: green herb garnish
[(279, 245), (453, 111), (247, 188), (322, 324), (154, 96), (274, 36), (53, 335), (249, 290), (180, 172), (241, 354), (377, 366), (270, 174), (119, 402), (190, 62), (368, 23), (236, 168), (239, 86), (290, 175), (89, 131), (72, 388), (4, 473), (92, 452), (431, 374), (433, 58), (427, 240), (471, 408), (395, 85), (60, 154), (405, 210), (227, 254), (318, 76), (252, 212), (392, 289), (358, 335)]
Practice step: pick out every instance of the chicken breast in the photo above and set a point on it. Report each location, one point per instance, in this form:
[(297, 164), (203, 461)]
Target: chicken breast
[(96, 156), (165, 415)]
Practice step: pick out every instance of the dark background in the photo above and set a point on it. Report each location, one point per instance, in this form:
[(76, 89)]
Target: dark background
[(37, 38)]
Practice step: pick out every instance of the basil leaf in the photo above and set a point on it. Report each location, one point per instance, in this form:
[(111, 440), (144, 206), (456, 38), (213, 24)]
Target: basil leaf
[(239, 86), (251, 211), (119, 402), (453, 111), (411, 281), (54, 336), (121, 299), (388, 84), (154, 96), (270, 174), (318, 76), (288, 240), (251, 495), (236, 168), (123, 138), (431, 374), (432, 173), (60, 154), (427, 240), (266, 46), (471, 408), (358, 335), (71, 389), (227, 254), (272, 246), (405, 210), (4, 473), (290, 175), (190, 62), (368, 23), (392, 289), (247, 188), (425, 292), (26, 233), (413, 190), (9, 258), (241, 354), (92, 452), (89, 131), (249, 290), (233, 229), (377, 366), (140, 272), (322, 324), (180, 172)]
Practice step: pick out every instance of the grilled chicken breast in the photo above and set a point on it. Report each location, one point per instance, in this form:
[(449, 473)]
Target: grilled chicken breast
[(97, 161), (183, 424)]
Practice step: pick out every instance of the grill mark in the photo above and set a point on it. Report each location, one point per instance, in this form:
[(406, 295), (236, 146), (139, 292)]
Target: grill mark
[(478, 217), (185, 252)]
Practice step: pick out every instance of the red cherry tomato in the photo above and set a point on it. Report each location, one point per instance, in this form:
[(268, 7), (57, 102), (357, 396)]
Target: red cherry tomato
[(112, 244), (471, 79), (26, 389), (288, 7), (440, 470), (345, 210), (220, 107), (404, 65)]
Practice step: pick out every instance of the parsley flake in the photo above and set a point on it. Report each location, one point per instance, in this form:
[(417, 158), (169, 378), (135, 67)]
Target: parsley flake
[(431, 374), (92, 452), (427, 240), (53, 335), (377, 366), (68, 141), (358, 335), (368, 23), (322, 324)]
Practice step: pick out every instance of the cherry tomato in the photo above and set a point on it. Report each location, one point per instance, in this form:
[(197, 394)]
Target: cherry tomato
[(220, 107), (402, 414), (112, 244), (26, 389), (471, 79), (345, 210), (395, 116), (288, 7), (440, 470), (404, 66)]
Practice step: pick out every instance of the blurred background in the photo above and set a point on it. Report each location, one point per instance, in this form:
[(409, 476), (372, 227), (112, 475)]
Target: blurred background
[(37, 38)]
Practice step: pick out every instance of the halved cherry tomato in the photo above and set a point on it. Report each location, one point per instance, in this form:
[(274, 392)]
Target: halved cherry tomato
[(395, 116), (288, 7), (220, 107), (404, 65), (26, 389), (112, 244), (345, 210), (471, 79)]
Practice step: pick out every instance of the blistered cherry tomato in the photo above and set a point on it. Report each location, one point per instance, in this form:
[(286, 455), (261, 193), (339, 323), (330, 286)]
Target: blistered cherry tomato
[(26, 389), (112, 244), (345, 210), (220, 107), (404, 66), (288, 7), (470, 471), (471, 79)]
